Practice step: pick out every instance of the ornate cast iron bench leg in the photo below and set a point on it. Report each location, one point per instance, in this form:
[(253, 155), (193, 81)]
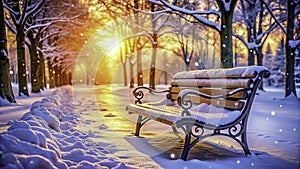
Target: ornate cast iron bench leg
[(138, 126), (140, 122), (186, 147), (244, 141)]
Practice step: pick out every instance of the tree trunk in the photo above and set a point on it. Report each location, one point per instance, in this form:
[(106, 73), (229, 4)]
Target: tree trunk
[(166, 77), (56, 73), (249, 12), (5, 81), (51, 74), (290, 86), (125, 73), (131, 73), (87, 78), (42, 74), (34, 65), (64, 78), (226, 42), (153, 62), (70, 78), (227, 8), (124, 61), (139, 63), (22, 76), (138, 46)]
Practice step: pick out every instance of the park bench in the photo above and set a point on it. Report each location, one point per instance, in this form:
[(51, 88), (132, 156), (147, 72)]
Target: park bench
[(204, 103)]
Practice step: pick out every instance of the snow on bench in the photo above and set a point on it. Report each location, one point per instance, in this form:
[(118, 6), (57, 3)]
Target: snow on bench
[(218, 100)]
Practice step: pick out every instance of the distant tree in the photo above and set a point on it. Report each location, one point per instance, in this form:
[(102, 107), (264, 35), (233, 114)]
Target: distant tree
[(258, 25), (5, 81), (250, 12), (186, 37), (63, 40), (267, 62), (277, 68)]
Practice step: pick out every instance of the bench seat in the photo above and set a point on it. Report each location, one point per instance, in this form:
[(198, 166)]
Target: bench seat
[(171, 114), (218, 100)]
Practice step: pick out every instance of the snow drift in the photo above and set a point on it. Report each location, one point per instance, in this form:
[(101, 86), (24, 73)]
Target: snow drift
[(46, 137)]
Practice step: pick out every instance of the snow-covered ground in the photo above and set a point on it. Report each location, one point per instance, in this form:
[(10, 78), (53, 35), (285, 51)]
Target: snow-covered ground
[(88, 127)]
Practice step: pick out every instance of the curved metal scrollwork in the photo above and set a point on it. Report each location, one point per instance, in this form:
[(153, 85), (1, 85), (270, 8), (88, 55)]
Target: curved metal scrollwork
[(185, 113), (236, 130), (186, 104), (138, 95), (197, 131)]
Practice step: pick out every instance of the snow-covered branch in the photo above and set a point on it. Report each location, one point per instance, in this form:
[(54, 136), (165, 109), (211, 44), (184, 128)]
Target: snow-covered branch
[(294, 43), (31, 10), (22, 21), (38, 26), (270, 29), (156, 29), (195, 14), (10, 26), (273, 16), (153, 13)]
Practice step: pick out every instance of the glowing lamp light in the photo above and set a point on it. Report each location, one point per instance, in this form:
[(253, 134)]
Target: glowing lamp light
[(11, 72)]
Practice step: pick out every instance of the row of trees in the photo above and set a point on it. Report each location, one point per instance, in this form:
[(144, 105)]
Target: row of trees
[(259, 18), (55, 31), (44, 30)]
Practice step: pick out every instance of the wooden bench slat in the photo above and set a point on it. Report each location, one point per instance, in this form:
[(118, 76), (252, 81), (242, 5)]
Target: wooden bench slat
[(211, 91), (170, 115), (214, 83), (238, 72), (229, 104)]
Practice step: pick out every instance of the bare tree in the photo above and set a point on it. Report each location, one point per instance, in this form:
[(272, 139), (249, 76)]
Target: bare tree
[(293, 7), (226, 8), (254, 15), (19, 14), (293, 12), (5, 81)]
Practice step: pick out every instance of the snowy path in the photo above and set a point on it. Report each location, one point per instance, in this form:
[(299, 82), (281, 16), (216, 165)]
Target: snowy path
[(99, 118), (276, 135), (96, 132), (274, 125)]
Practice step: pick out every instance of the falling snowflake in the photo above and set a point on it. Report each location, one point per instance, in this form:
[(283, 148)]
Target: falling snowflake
[(273, 113)]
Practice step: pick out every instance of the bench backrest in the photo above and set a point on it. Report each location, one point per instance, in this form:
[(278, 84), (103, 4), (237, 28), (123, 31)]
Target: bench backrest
[(220, 82)]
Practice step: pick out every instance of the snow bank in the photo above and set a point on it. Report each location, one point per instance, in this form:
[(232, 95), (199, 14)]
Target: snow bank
[(46, 137), (5, 102)]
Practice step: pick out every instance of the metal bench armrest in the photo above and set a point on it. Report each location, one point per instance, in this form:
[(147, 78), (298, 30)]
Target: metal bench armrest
[(139, 94)]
